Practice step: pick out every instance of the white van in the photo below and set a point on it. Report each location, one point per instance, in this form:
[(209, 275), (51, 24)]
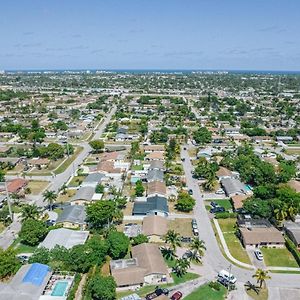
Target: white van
[(225, 275)]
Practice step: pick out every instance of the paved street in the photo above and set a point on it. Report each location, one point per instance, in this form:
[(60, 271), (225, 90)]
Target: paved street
[(214, 260)]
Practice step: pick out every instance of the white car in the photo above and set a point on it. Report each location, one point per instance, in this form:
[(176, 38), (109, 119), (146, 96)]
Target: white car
[(227, 276), (258, 255), (220, 192)]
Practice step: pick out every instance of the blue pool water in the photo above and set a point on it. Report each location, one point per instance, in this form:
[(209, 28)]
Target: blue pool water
[(60, 288), (248, 187)]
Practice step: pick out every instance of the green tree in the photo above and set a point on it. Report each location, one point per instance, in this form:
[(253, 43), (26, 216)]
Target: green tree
[(99, 189), (185, 202), (173, 239), (102, 288), (97, 145), (139, 239), (181, 266), (261, 276), (197, 246), (50, 197), (9, 263), (100, 213), (29, 212), (41, 255), (139, 188), (118, 244), (97, 249), (32, 232), (55, 151), (202, 136), (79, 260)]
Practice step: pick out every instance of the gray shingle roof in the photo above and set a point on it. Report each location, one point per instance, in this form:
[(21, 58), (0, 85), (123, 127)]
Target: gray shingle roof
[(73, 214), (155, 175), (233, 186), (155, 203), (84, 193), (94, 177)]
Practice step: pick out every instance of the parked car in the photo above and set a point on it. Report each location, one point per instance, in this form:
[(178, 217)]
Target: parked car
[(190, 191), (176, 296), (217, 209), (214, 204), (258, 254), (227, 276), (194, 224), (220, 192), (182, 159), (158, 291), (186, 239), (195, 231)]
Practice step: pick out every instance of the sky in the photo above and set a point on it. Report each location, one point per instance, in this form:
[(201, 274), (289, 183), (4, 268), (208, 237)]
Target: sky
[(150, 34)]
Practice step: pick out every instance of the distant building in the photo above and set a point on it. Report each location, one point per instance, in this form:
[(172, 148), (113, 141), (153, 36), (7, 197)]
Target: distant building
[(73, 216)]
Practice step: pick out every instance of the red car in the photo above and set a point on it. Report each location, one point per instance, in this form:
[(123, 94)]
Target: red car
[(176, 296)]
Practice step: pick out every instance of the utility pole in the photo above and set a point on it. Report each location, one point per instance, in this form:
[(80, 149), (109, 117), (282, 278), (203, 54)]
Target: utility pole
[(8, 202), (228, 284)]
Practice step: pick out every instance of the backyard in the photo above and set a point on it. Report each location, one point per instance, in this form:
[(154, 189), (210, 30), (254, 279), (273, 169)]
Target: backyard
[(182, 226), (37, 187)]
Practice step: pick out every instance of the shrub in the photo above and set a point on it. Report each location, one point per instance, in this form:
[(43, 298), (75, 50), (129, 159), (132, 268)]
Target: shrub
[(214, 285), (71, 295), (225, 215)]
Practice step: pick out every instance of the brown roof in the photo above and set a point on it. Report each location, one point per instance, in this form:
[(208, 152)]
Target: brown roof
[(150, 258), (155, 225), (4, 149), (238, 200), (261, 235), (16, 184), (107, 166), (157, 187), (294, 184), (129, 276), (155, 155), (223, 172), (39, 161), (110, 156), (151, 148)]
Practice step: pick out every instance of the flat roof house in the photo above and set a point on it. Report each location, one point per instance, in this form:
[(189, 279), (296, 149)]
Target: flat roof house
[(261, 236), (64, 237)]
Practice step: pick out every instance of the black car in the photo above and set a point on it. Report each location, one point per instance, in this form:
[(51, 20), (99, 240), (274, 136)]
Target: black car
[(217, 210), (190, 191), (214, 204)]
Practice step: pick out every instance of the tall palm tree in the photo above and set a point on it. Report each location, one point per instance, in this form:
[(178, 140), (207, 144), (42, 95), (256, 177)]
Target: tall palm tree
[(168, 253), (210, 183), (198, 246), (280, 214), (29, 212), (173, 239), (181, 266), (261, 276), (291, 212), (50, 197)]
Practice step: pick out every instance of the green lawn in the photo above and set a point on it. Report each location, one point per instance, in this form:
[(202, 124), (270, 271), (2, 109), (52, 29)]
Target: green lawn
[(233, 243), (137, 168), (206, 293), (21, 248), (184, 278), (224, 203), (278, 257), (262, 295), (76, 181), (68, 161)]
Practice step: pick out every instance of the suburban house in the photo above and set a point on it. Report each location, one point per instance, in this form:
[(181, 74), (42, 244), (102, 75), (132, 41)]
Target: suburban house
[(157, 165), (16, 185), (39, 163), (223, 173), (233, 186), (64, 237), (154, 148), (72, 216), (92, 179), (157, 188), (156, 155), (155, 227), (84, 195), (238, 200), (146, 266), (155, 175), (292, 230), (155, 205), (261, 236)]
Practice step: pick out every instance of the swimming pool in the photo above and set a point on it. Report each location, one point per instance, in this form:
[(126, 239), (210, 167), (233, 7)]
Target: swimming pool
[(60, 288), (248, 187)]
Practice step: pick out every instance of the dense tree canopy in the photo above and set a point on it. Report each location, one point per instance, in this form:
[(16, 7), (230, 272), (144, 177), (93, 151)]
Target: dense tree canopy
[(32, 232)]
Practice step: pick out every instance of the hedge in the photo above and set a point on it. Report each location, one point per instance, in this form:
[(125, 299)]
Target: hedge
[(225, 215), (74, 288), (293, 249)]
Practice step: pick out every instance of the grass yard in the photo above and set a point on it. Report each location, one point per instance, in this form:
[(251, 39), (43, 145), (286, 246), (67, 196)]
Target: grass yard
[(64, 198), (207, 293), (68, 161), (137, 168), (76, 181), (222, 202), (278, 257), (173, 209), (182, 226), (186, 277), (233, 243), (37, 187), (263, 294), (2, 227)]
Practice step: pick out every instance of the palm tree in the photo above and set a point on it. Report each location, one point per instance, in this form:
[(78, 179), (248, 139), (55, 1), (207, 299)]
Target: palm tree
[(210, 183), (261, 276), (168, 253), (280, 214), (29, 212), (198, 246), (50, 197), (173, 239), (181, 266), (291, 212)]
